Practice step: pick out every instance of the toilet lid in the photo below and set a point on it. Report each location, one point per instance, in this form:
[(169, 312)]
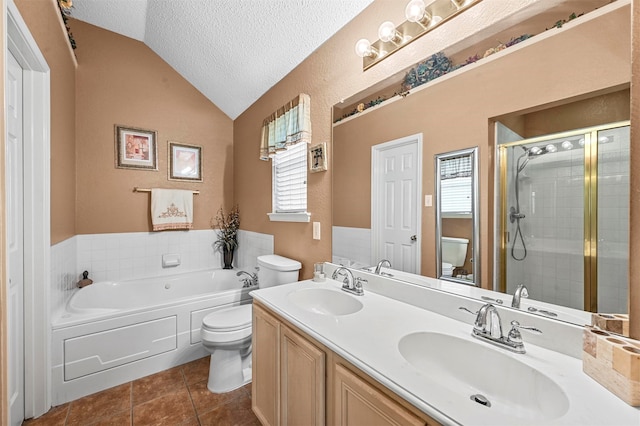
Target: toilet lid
[(229, 319)]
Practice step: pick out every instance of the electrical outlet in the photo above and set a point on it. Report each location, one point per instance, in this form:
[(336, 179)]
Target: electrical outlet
[(316, 230)]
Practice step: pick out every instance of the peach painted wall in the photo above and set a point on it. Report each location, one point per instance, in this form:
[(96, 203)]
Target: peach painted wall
[(460, 118), (44, 22), (122, 81)]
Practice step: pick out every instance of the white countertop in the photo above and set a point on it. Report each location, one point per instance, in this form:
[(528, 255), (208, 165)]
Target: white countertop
[(369, 339)]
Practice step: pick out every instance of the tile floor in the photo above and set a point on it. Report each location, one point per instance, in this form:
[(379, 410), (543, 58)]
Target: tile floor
[(178, 396)]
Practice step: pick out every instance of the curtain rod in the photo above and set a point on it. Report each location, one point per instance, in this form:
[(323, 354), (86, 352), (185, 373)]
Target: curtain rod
[(136, 189)]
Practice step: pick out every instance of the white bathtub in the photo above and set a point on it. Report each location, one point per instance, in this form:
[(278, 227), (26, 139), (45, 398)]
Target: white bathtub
[(114, 332)]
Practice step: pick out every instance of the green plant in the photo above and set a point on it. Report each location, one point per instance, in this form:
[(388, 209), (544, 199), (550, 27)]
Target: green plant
[(226, 226)]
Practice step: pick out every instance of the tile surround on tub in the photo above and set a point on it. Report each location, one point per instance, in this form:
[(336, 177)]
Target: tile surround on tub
[(139, 254), (351, 245)]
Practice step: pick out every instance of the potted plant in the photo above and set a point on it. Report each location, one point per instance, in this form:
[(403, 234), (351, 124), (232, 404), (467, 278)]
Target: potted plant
[(226, 226)]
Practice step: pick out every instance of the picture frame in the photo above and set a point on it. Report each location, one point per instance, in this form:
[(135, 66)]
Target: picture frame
[(135, 148), (185, 162), (318, 157)]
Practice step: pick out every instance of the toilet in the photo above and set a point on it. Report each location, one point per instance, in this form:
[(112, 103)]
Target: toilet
[(226, 333), (454, 253)]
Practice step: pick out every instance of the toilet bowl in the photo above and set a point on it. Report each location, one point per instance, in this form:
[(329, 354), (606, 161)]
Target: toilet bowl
[(226, 333), (454, 254)]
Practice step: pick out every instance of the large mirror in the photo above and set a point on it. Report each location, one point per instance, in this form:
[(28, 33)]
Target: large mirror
[(563, 79), (457, 216)]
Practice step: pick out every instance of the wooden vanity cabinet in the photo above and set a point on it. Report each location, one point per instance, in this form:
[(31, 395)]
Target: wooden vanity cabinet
[(289, 374), (299, 381)]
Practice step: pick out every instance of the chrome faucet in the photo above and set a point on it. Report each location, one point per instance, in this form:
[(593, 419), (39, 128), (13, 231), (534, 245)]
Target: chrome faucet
[(378, 270), (251, 280), (521, 292), (349, 283), (381, 264), (488, 327)]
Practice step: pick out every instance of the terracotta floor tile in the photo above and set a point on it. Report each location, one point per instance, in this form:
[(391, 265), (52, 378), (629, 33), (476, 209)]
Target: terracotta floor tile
[(204, 400), (171, 409), (156, 385), (237, 413), (120, 419), (196, 371), (56, 416), (92, 408)]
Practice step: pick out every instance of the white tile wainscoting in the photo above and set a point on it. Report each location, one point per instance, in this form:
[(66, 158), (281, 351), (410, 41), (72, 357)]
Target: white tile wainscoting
[(139, 254)]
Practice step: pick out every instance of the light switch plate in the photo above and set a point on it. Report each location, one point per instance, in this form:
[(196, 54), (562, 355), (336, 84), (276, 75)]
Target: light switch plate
[(316, 230), (428, 200)]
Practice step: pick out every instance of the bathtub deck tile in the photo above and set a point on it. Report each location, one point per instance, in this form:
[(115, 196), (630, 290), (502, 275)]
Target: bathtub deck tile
[(171, 409), (196, 371), (156, 385), (92, 408)]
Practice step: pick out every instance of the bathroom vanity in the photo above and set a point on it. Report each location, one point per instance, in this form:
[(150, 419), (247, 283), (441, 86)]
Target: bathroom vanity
[(323, 356)]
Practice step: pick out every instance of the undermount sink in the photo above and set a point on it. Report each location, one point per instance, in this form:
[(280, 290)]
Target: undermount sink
[(484, 376), (325, 301)]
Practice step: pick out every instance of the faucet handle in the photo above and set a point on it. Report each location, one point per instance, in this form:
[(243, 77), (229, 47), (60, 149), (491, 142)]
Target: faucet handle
[(462, 308), (514, 334), (358, 285)]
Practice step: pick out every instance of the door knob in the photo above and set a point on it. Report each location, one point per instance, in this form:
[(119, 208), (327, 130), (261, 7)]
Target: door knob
[(414, 238)]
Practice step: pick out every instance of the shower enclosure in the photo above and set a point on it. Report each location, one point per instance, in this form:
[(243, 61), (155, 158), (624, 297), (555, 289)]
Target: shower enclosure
[(564, 217)]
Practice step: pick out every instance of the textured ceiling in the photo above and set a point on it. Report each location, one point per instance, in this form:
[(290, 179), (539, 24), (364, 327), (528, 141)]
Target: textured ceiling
[(233, 51)]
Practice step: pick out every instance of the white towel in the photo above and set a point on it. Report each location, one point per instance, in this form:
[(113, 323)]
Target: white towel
[(171, 209)]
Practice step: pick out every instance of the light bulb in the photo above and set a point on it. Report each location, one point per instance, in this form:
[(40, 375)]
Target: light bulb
[(363, 48), (604, 139), (387, 32), (414, 12), (535, 150), (567, 145), (551, 148), (581, 142)]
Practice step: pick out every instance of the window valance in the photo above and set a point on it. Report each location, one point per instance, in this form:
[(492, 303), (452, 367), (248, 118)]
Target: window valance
[(287, 126)]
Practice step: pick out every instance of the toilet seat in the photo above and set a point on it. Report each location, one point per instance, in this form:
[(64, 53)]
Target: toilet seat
[(227, 326)]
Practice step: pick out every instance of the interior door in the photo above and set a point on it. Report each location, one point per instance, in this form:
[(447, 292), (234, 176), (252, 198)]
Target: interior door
[(15, 260), (395, 203)]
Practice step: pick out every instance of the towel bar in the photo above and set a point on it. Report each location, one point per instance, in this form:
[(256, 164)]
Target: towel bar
[(136, 189)]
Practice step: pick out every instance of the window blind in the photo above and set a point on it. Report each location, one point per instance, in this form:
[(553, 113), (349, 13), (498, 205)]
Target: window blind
[(456, 185), (290, 179)]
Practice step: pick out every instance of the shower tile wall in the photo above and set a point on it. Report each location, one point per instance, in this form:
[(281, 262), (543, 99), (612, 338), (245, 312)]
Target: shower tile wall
[(139, 254), (551, 197)]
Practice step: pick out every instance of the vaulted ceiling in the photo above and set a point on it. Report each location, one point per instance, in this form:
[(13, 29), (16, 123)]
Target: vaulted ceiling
[(233, 51)]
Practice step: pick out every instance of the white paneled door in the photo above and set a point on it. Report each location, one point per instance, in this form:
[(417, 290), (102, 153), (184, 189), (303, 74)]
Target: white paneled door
[(15, 247), (395, 199)]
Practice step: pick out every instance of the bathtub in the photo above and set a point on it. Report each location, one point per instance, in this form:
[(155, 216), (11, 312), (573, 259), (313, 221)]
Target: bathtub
[(114, 332)]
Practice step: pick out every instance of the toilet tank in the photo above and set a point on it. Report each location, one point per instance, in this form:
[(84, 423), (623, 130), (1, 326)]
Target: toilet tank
[(454, 250), (276, 270)]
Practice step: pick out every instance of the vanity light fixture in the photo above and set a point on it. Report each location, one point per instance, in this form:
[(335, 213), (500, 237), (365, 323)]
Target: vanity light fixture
[(421, 18)]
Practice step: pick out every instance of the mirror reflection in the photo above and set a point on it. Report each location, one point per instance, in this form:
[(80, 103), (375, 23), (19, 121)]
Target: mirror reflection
[(574, 77), (457, 216)]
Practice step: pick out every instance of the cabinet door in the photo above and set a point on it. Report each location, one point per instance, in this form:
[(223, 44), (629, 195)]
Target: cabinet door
[(358, 403), (265, 357), (302, 380)]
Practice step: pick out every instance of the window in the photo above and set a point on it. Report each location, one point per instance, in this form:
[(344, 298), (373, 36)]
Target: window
[(456, 187), (290, 185)]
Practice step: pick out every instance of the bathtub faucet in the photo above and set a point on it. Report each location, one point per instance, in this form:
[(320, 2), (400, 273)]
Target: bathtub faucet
[(252, 279)]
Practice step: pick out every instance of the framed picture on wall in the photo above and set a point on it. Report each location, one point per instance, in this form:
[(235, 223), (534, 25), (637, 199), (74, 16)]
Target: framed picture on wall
[(318, 157), (136, 148), (185, 162)]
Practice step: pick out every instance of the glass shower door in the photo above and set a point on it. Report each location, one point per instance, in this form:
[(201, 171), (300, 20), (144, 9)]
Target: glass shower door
[(564, 215)]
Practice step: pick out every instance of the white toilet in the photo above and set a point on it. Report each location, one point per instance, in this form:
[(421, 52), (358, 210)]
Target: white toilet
[(227, 333), (454, 253)]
